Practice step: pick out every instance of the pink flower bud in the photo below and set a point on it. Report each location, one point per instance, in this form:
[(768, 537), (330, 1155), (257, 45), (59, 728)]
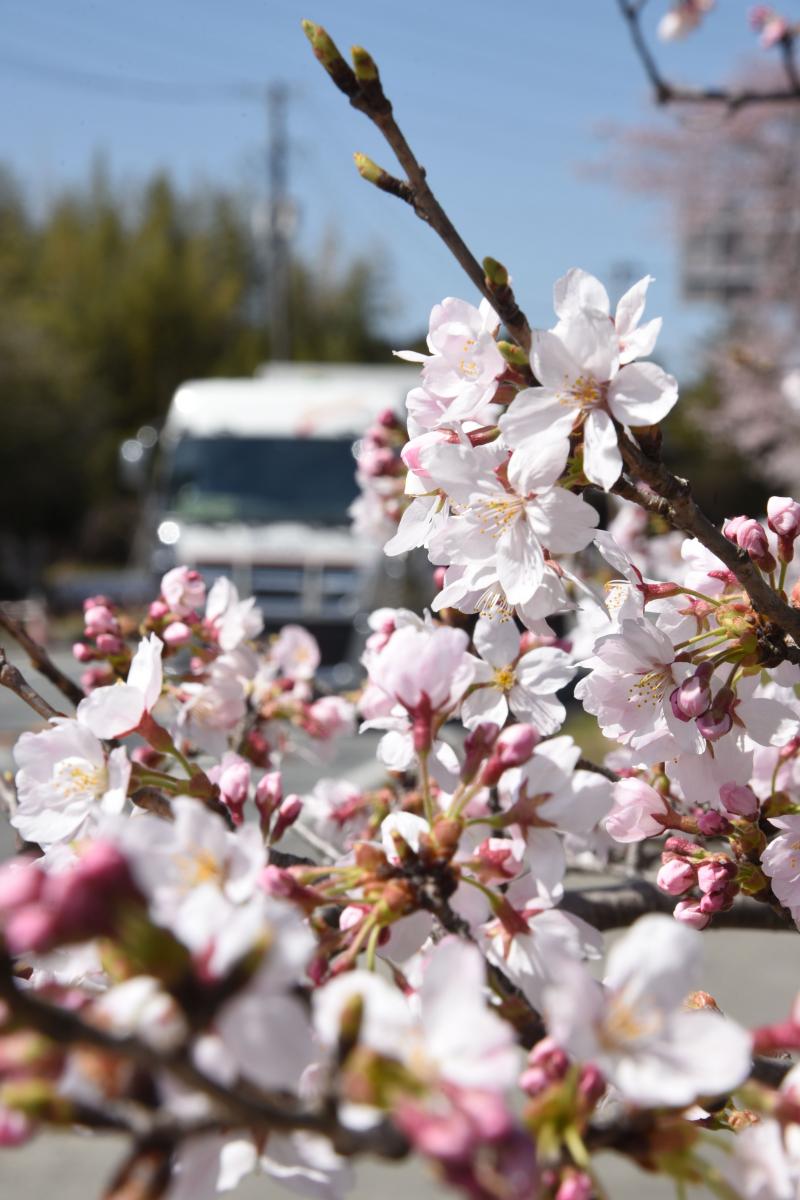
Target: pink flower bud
[(96, 602), (100, 619), (109, 643), (576, 1186), (96, 677), (288, 813), (516, 744), (351, 916), (718, 720), (548, 1055), (331, 716), (269, 793), (692, 697), (676, 876), (688, 913), (234, 784), (82, 652), (21, 883), (177, 634), (719, 900), (281, 883), (732, 526), (534, 1081), (751, 537), (15, 1128), (783, 516), (32, 929), (591, 1084), (713, 874), (739, 800), (713, 824), (158, 610)]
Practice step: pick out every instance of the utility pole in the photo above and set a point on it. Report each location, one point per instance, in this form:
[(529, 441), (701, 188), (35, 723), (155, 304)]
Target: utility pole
[(281, 221)]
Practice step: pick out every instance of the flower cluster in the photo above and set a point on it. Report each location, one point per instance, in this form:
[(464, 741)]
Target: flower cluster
[(172, 960)]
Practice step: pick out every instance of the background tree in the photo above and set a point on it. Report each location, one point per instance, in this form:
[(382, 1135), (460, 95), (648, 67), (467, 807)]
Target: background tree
[(107, 303)]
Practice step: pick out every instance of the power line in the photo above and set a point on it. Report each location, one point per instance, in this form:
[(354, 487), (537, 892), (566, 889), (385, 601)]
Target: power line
[(132, 88)]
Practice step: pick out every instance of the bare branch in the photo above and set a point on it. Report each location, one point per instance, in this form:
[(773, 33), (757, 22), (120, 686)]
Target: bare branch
[(615, 906), (675, 503), (13, 679), (364, 90), (586, 764), (734, 99), (240, 1104), (41, 659)]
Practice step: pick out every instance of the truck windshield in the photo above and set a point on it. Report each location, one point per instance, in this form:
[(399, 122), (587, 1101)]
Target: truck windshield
[(218, 479)]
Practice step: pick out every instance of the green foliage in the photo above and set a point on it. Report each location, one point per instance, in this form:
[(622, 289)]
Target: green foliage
[(107, 303)]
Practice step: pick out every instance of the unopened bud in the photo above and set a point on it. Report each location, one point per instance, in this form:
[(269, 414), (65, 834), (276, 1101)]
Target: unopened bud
[(496, 274), (714, 873), (688, 913), (364, 65), (739, 800), (177, 634), (288, 813), (109, 643), (676, 876), (692, 697), (713, 824), (575, 1186)]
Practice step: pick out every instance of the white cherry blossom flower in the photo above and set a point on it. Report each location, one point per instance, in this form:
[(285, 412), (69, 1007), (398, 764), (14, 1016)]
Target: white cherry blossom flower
[(586, 386), (633, 1027), (527, 684), (113, 711), (65, 782), (233, 620)]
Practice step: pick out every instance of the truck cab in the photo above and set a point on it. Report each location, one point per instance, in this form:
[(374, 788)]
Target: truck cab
[(254, 479)]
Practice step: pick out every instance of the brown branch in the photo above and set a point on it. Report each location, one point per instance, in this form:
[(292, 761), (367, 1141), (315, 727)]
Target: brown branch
[(364, 90), (615, 906), (13, 679), (40, 659), (667, 92), (674, 502), (520, 1012), (240, 1104), (586, 764)]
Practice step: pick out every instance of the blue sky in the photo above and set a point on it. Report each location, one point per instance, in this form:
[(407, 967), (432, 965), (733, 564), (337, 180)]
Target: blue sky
[(501, 102)]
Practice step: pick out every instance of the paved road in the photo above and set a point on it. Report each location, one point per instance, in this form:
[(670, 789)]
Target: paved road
[(753, 976)]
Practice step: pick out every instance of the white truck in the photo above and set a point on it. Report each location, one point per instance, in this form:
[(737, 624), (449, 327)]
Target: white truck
[(254, 478)]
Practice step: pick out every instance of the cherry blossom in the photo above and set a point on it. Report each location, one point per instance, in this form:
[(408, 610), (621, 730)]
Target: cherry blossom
[(633, 1028)]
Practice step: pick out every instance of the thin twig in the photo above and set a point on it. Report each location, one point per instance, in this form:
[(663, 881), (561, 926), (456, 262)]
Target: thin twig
[(365, 92), (40, 659), (14, 680), (674, 502), (667, 92), (241, 1103)]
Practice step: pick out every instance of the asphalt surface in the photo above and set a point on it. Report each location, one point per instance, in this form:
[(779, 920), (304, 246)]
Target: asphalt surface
[(753, 976)]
